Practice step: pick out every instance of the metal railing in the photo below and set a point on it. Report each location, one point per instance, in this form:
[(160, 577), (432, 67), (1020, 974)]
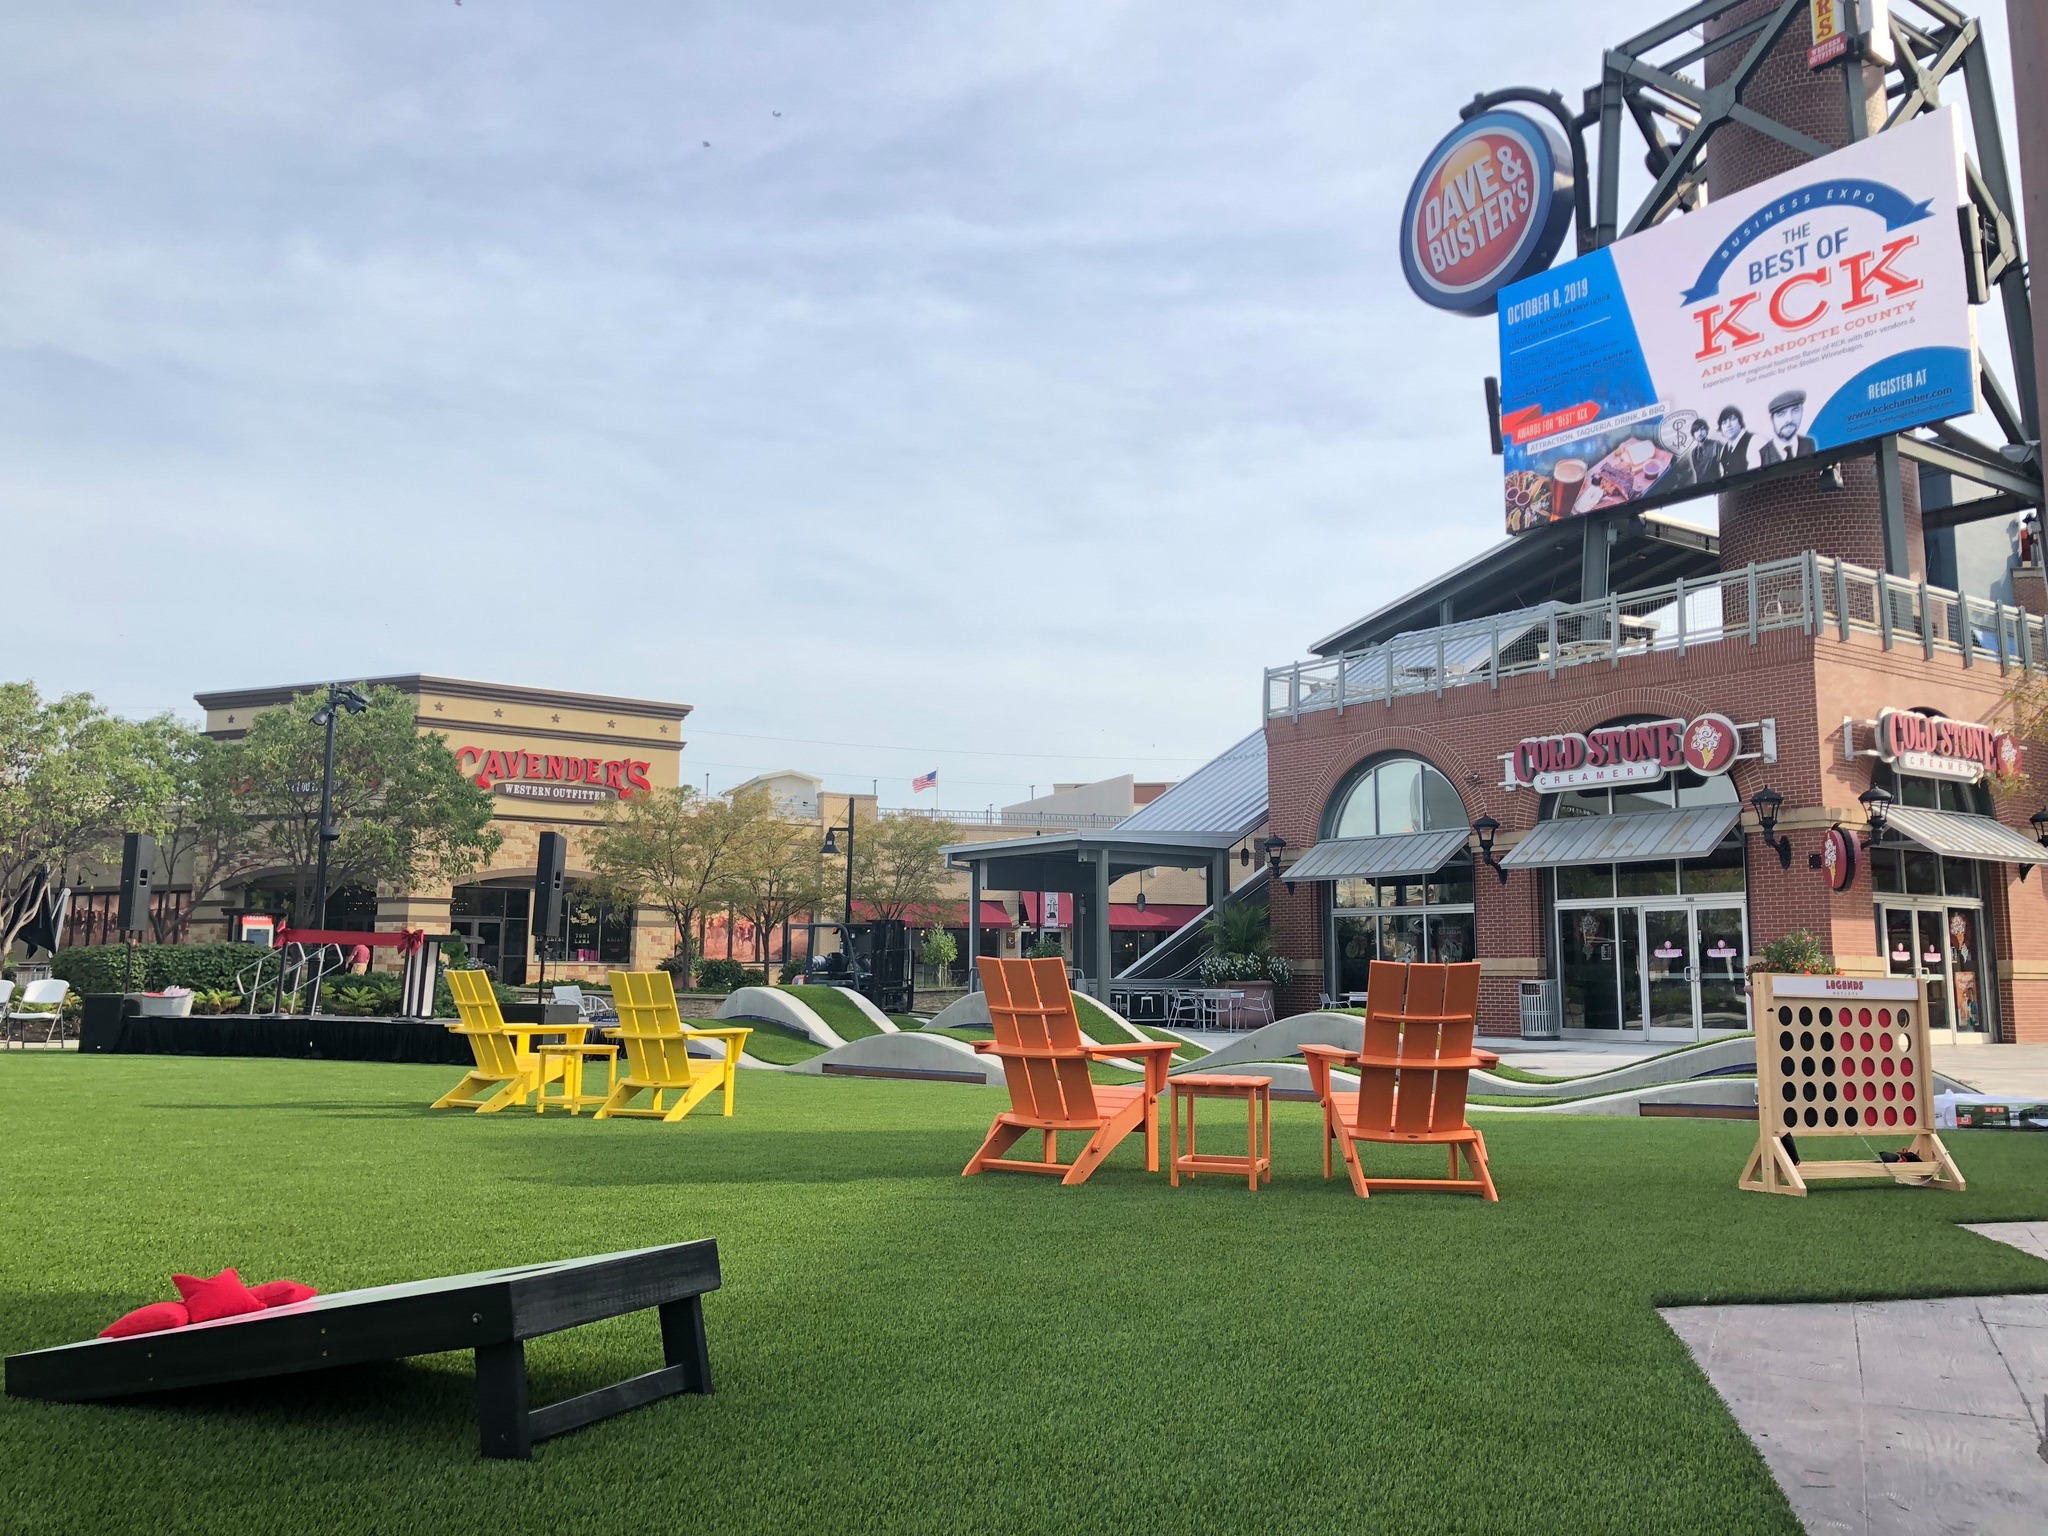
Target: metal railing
[(996, 818), (1812, 593), (298, 967)]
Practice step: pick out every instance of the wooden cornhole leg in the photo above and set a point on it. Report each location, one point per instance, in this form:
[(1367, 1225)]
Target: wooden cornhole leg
[(1770, 1170)]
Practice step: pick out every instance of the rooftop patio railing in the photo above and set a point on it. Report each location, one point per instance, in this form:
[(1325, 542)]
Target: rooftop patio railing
[(1812, 593)]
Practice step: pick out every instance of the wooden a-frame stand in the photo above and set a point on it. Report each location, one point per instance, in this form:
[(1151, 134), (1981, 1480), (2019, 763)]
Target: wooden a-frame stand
[(1825, 1047)]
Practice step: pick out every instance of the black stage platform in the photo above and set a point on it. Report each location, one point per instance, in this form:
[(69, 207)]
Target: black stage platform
[(324, 1037)]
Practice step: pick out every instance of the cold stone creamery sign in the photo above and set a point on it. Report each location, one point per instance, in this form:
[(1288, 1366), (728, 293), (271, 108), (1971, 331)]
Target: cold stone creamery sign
[(1490, 207), (1936, 747), (524, 775), (1622, 754)]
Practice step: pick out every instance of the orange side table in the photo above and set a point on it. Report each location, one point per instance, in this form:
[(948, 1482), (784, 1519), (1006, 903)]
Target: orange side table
[(1257, 1093)]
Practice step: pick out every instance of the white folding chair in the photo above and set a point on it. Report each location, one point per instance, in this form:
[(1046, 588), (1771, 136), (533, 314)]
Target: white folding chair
[(49, 992)]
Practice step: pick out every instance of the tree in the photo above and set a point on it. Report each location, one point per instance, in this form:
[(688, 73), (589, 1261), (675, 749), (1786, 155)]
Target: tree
[(940, 950), (898, 869), (776, 870), (207, 828), (673, 849), (407, 813), (72, 778)]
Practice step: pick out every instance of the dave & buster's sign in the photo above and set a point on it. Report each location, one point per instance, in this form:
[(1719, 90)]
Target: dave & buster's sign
[(524, 775), (1491, 206), (1623, 754), (1823, 307), (1937, 747)]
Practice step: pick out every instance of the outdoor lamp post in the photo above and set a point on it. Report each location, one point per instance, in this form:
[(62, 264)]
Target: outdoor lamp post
[(339, 698), (831, 847), (1486, 829), (1767, 802), (1877, 805), (2039, 822)]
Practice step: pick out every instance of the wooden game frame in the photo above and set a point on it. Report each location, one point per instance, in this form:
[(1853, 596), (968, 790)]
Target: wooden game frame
[(1843, 1056)]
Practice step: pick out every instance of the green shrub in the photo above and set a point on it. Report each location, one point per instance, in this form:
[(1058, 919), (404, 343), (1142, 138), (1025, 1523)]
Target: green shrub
[(1045, 949), (792, 970), (352, 998), (202, 967), (217, 1000), (726, 976), (1797, 953)]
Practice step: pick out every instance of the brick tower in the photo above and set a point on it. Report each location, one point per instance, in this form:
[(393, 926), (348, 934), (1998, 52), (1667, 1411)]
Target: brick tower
[(1769, 522)]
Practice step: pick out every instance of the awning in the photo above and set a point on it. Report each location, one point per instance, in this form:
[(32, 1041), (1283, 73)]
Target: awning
[(1348, 858), (1962, 836), (1636, 839), (1158, 916)]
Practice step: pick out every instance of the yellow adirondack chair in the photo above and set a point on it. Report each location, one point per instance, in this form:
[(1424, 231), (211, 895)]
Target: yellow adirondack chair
[(658, 1058), (504, 1075)]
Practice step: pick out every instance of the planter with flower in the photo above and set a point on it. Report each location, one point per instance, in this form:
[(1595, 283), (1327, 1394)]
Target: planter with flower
[(1241, 958)]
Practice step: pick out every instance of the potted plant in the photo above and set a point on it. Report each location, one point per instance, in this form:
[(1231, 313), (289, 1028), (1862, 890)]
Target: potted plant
[(1241, 957), (171, 1003)]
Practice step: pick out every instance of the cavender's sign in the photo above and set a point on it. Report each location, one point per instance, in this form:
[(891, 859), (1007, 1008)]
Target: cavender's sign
[(525, 775)]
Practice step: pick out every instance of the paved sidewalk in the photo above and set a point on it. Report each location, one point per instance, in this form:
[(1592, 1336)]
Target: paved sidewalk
[(1897, 1416), (2014, 1069)]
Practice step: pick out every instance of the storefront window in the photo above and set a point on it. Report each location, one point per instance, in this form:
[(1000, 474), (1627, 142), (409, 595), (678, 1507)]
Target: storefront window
[(1720, 871), (1402, 920), (1646, 879), (597, 932), (1579, 882)]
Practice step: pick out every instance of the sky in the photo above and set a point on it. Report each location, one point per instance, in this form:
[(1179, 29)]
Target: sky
[(994, 389)]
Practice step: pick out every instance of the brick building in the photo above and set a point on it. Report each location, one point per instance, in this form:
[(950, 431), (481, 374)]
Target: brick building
[(552, 760), (1463, 725)]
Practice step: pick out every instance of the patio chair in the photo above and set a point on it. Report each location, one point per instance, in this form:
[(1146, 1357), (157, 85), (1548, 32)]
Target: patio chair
[(1038, 1040), (42, 1002), (658, 1058), (504, 1074), (1412, 1075)]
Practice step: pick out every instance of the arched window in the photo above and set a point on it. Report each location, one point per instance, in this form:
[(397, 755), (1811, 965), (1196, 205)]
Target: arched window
[(1425, 917), (1395, 795)]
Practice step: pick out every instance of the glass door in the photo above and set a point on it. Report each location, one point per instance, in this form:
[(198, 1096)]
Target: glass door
[(1965, 973), (1721, 957), (1941, 945), (1693, 959), (1669, 973)]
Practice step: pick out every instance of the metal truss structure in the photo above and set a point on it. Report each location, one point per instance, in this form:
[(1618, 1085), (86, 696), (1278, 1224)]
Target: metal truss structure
[(1642, 83)]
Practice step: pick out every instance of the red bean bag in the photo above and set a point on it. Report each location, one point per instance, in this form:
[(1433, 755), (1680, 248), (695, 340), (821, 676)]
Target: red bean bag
[(281, 1293), (221, 1295), (154, 1318)]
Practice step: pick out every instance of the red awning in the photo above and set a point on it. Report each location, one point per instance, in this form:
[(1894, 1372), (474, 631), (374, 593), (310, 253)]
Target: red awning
[(1158, 917), (406, 939), (943, 914)]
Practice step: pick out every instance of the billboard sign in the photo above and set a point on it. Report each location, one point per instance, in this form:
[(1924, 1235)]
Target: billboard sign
[(1832, 21), (1490, 207), (1820, 308)]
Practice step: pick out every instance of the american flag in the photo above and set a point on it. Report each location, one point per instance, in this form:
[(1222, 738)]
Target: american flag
[(924, 781)]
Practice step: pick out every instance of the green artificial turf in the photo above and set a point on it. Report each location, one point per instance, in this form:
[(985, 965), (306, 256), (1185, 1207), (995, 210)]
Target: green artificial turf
[(898, 1349), (778, 1043), (831, 1005)]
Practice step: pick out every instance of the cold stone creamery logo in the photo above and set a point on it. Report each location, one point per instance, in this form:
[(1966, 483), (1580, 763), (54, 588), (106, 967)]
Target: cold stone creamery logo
[(1484, 212), (526, 775), (1623, 754), (1941, 748)]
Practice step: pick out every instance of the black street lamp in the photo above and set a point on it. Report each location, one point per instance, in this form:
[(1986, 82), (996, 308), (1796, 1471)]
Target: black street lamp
[(1486, 829), (1877, 805), (339, 698), (1272, 847), (1767, 802), (2039, 822), (831, 847)]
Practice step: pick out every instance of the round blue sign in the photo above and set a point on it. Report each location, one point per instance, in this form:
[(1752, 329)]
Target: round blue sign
[(1490, 208)]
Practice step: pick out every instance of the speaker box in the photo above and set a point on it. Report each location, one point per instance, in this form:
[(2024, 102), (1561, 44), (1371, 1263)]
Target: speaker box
[(549, 914), (138, 867)]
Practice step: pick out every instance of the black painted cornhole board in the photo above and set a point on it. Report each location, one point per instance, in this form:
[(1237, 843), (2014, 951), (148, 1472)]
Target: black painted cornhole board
[(493, 1313)]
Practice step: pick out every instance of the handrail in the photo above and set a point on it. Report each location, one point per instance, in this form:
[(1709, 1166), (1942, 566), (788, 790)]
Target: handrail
[(1815, 594)]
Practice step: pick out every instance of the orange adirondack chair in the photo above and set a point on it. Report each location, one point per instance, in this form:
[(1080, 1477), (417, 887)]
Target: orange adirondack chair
[(1412, 1074), (1038, 1040)]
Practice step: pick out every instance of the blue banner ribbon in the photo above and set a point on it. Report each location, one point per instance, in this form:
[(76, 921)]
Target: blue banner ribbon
[(1844, 193)]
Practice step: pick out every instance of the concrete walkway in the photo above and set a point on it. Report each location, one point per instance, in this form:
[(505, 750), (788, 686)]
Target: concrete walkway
[(2014, 1069), (1894, 1416)]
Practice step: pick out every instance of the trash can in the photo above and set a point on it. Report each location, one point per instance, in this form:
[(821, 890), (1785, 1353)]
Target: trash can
[(1542, 1019)]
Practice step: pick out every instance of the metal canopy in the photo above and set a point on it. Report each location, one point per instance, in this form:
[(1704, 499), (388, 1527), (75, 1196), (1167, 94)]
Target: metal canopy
[(1961, 836), (1227, 794), (1066, 861), (1347, 858), (1687, 834)]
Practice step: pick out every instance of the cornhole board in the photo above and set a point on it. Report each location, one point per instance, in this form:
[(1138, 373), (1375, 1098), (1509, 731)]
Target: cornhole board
[(493, 1313), (1844, 1056)]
